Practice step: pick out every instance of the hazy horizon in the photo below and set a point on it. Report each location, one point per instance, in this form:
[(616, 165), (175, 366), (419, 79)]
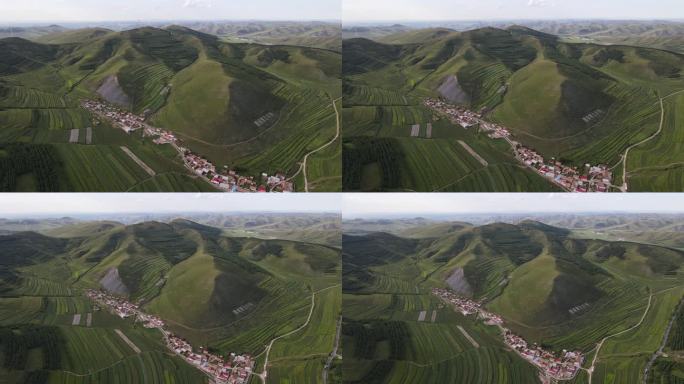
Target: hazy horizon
[(367, 205), (354, 11), (45, 205), (96, 11), (105, 23), (422, 23)]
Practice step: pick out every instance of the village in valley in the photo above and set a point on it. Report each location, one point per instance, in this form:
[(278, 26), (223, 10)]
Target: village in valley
[(593, 178), (224, 179), (557, 367), (234, 369)]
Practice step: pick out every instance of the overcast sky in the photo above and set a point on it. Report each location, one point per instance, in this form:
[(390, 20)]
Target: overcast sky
[(17, 11), (425, 204), (423, 10), (64, 204)]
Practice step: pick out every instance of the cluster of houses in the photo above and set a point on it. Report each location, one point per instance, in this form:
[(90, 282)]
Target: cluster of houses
[(467, 118), (235, 369), (559, 367), (467, 307), (225, 180), (125, 309), (455, 113), (125, 120), (230, 181), (161, 136), (594, 178)]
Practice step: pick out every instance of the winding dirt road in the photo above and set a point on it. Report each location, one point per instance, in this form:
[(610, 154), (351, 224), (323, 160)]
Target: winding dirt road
[(264, 372), (302, 165), (337, 135), (590, 370), (624, 187)]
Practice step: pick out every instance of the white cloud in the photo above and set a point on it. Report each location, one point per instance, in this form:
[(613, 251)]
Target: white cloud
[(539, 3), (197, 4)]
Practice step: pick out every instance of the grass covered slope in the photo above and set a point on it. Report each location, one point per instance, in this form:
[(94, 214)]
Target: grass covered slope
[(231, 294), (209, 92), (582, 103), (551, 287)]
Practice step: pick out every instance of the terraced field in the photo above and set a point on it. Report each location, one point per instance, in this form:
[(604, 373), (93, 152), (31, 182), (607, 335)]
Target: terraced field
[(84, 169), (314, 116), (324, 169), (283, 371), (486, 83), (59, 119), (318, 338), (405, 350), (432, 165), (143, 368), (364, 95), (38, 286), (624, 357), (637, 116), (656, 166), (29, 98), (148, 85), (20, 310)]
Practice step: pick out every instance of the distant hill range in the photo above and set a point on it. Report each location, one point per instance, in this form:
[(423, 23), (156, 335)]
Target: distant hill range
[(315, 228), (373, 32), (662, 34), (315, 34), (662, 229), (668, 35), (30, 32), (308, 34)]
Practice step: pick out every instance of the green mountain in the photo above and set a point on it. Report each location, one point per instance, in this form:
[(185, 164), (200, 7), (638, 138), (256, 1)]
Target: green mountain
[(229, 294), (579, 102), (549, 285), (210, 93)]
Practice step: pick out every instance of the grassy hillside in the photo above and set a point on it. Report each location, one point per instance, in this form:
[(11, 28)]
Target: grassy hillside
[(231, 294), (541, 87), (209, 92), (553, 288)]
